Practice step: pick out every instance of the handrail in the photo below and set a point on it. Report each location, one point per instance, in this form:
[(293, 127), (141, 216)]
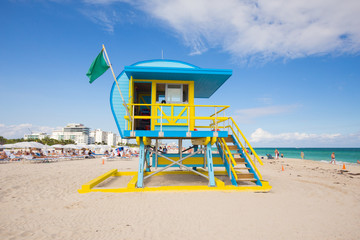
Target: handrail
[(227, 158), (225, 107), (220, 121), (247, 154), (228, 150), (167, 117), (173, 120), (177, 105), (247, 142)]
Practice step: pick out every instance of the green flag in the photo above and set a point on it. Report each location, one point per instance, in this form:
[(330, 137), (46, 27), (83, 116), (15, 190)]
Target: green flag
[(97, 68)]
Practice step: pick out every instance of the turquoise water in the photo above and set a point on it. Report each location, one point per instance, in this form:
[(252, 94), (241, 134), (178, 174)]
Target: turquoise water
[(350, 155)]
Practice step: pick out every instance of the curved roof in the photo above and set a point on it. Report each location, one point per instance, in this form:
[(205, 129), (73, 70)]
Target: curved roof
[(206, 80)]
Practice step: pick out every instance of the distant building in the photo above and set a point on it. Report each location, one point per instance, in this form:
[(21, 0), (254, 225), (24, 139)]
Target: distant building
[(80, 135), (36, 136), (121, 141), (98, 136), (111, 139), (73, 131), (101, 137)]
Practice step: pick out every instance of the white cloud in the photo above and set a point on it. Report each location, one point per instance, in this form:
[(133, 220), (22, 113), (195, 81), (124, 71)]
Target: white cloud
[(258, 29), (102, 18), (263, 138), (249, 115), (18, 131), (261, 135)]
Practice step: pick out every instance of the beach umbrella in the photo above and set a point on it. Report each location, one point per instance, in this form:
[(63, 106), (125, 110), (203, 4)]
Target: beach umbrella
[(28, 145), (81, 146), (57, 146), (91, 146), (72, 146), (7, 146)]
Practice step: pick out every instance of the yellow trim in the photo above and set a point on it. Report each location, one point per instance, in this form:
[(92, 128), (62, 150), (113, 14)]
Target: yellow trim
[(138, 141), (220, 185), (96, 181), (248, 156), (131, 90), (200, 141), (252, 150), (141, 98), (164, 81), (182, 105), (213, 140), (133, 181), (228, 156), (154, 112), (192, 160), (147, 141)]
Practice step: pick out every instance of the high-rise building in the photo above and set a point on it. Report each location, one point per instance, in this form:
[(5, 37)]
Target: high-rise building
[(111, 139), (73, 131)]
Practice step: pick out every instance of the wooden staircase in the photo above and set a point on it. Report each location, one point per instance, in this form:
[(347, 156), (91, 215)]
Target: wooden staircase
[(242, 171)]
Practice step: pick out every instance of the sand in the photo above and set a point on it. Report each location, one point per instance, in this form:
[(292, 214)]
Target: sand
[(309, 200)]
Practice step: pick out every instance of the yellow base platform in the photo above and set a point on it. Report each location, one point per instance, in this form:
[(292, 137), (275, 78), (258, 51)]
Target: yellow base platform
[(92, 186)]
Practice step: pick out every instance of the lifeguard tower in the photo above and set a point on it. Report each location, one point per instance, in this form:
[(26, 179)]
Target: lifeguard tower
[(159, 96)]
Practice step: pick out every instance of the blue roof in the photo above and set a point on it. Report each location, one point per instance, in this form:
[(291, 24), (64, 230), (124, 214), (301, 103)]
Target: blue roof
[(207, 81)]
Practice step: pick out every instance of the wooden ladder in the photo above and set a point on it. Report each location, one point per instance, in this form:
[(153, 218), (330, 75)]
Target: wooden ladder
[(240, 161)]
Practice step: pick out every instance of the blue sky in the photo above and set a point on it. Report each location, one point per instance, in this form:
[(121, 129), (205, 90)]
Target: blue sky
[(296, 64)]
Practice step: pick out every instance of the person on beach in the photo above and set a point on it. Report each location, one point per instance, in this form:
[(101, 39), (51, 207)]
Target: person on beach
[(282, 155), (333, 158), (358, 161), (3, 155), (302, 155), (276, 154)]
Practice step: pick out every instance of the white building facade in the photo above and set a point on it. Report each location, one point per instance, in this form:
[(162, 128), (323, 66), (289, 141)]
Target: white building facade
[(111, 139), (35, 136), (73, 131), (80, 135), (101, 137)]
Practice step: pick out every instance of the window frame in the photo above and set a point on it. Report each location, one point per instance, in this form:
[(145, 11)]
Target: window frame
[(167, 93)]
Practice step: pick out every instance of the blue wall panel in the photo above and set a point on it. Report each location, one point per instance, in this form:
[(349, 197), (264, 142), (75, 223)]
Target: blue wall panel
[(116, 104)]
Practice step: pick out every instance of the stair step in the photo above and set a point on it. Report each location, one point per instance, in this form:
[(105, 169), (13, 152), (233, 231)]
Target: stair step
[(239, 160), (228, 139), (247, 179), (232, 147), (245, 175), (241, 168)]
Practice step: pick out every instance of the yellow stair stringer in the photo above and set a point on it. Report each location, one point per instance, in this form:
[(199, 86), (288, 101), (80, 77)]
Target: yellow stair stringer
[(229, 158)]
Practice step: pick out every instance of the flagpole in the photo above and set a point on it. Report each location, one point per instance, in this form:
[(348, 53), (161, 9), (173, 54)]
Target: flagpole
[(124, 103)]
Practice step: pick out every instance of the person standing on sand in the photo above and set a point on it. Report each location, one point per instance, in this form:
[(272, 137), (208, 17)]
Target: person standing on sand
[(302, 155), (333, 158), (276, 154)]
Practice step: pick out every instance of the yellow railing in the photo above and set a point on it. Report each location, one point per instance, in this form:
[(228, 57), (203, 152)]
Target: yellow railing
[(228, 156), (247, 154), (236, 134), (171, 119), (247, 142)]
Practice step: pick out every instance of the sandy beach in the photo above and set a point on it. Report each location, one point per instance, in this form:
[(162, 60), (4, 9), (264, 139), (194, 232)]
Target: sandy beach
[(309, 200)]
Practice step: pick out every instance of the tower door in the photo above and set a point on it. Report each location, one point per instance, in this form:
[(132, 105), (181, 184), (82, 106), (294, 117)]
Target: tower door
[(142, 95)]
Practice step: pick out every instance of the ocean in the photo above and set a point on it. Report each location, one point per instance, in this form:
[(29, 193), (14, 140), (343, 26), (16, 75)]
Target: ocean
[(350, 155)]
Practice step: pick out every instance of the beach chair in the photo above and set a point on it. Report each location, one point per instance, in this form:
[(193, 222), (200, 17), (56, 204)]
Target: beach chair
[(13, 158), (4, 160), (269, 156)]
